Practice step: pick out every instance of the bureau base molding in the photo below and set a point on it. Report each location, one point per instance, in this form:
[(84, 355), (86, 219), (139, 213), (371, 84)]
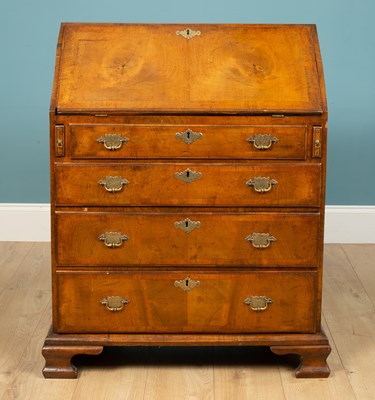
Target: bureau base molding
[(59, 349), (22, 222)]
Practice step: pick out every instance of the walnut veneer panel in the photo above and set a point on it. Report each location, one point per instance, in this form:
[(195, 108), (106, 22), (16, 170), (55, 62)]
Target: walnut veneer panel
[(161, 141), (116, 67), (217, 184), (157, 305), (220, 239)]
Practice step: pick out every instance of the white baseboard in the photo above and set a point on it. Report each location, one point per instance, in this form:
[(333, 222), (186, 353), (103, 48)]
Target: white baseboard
[(25, 222), (31, 223), (350, 224)]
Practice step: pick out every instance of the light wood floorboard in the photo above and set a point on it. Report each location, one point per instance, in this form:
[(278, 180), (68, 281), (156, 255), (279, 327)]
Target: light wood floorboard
[(187, 373)]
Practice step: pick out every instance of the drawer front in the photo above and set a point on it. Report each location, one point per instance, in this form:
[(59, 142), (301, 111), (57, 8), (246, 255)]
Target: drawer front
[(178, 239), (189, 141), (188, 184), (186, 302)]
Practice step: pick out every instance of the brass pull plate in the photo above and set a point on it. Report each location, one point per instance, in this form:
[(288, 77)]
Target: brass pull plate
[(188, 175), (188, 33), (317, 141), (262, 141), (114, 303), (112, 141), (187, 284), (189, 136), (261, 184), (260, 240), (113, 239), (59, 140), (113, 183), (258, 303), (187, 225)]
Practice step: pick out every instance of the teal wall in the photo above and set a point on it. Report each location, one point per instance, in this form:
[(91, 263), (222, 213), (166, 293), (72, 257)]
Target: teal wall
[(28, 35)]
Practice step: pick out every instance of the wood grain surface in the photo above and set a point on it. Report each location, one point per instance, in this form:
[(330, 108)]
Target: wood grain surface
[(181, 372)]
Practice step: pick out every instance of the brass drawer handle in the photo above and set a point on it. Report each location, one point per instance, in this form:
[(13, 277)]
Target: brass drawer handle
[(187, 225), (262, 141), (112, 141), (188, 175), (113, 183), (260, 240), (114, 303), (261, 184), (258, 303), (189, 136), (187, 284), (113, 239)]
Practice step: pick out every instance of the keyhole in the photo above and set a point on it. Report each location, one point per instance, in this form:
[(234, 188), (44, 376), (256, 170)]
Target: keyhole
[(187, 282), (187, 31), (187, 174), (188, 135), (186, 224)]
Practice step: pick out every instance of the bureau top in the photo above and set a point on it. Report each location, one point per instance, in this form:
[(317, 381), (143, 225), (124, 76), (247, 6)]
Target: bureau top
[(188, 69)]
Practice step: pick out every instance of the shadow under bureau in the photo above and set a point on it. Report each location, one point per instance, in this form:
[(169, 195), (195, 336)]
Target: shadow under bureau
[(187, 190)]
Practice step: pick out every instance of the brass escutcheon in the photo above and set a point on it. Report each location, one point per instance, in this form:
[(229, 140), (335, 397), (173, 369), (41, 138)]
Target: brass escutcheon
[(187, 225), (113, 183), (188, 33), (262, 141), (188, 175), (189, 136), (113, 239), (258, 303), (260, 240), (114, 303), (261, 184), (112, 141), (187, 284)]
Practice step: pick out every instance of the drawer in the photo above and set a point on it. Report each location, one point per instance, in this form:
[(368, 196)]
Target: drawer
[(188, 141), (188, 184), (186, 302), (195, 239)]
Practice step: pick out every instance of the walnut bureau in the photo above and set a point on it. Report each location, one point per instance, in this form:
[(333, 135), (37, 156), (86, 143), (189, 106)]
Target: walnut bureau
[(187, 190)]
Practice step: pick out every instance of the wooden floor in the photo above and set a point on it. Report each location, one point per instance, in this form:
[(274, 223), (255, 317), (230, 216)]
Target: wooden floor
[(187, 373)]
